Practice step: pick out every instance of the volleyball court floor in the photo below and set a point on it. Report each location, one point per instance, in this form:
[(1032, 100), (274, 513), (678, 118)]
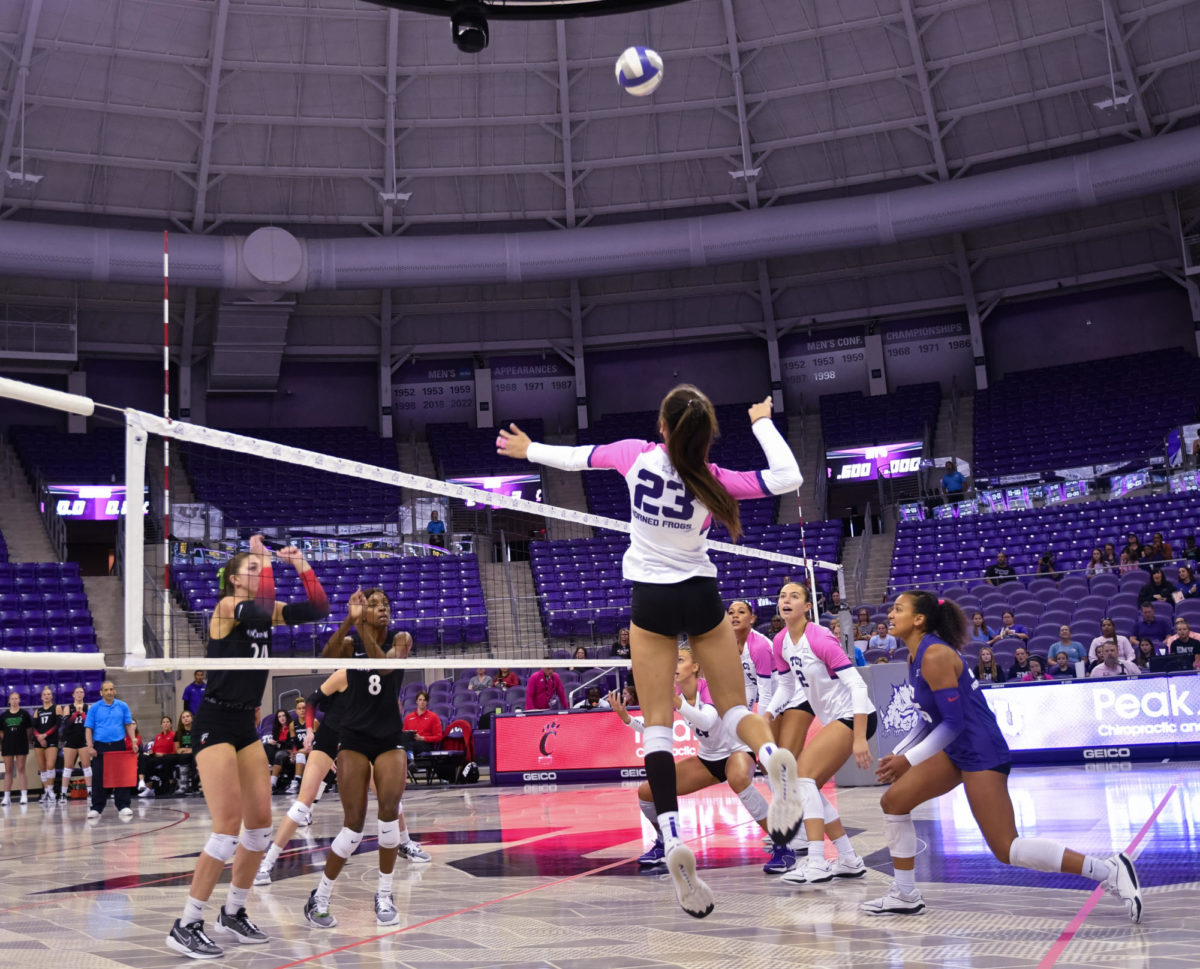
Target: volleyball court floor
[(546, 877)]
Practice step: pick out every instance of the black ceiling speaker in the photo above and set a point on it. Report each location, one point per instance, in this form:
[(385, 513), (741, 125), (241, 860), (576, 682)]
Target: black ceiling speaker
[(469, 25)]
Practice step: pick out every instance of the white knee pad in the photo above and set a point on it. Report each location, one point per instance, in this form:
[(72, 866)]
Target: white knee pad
[(810, 797), (389, 834), (648, 811), (658, 740), (46, 775), (755, 803), (900, 834), (301, 758), (1040, 854), (301, 813), (221, 846), (733, 716), (346, 843), (256, 839), (830, 813), (87, 773)]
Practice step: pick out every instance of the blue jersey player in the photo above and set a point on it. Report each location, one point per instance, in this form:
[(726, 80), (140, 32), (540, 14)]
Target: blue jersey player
[(957, 741)]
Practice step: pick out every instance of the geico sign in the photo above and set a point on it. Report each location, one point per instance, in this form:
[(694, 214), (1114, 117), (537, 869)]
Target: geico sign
[(540, 775), (633, 772), (1171, 702), (1106, 753)]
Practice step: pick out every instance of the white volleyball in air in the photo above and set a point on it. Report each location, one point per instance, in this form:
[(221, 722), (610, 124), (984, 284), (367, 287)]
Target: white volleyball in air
[(639, 70)]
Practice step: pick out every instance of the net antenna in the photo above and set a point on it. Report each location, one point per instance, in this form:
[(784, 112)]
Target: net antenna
[(139, 425)]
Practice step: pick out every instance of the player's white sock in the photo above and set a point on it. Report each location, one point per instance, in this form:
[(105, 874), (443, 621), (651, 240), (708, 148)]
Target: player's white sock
[(193, 911), (271, 856), (385, 882), (843, 845), (816, 850), (1097, 869), (668, 824), (906, 881), (404, 838), (236, 899), (765, 752), (324, 890)]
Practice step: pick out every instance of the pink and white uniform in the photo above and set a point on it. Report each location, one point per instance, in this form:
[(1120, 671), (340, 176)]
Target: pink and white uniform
[(758, 669), (712, 741), (818, 667), (668, 539)]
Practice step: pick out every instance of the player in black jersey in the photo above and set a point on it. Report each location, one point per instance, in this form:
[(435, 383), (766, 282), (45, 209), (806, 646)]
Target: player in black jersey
[(15, 725), (369, 737), (45, 743), (231, 761), (72, 718)]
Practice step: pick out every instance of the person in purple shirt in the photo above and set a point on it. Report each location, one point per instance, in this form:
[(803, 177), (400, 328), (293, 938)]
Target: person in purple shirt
[(193, 693), (1150, 626)]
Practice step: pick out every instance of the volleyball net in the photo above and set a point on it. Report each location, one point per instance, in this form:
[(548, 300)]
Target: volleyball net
[(479, 598)]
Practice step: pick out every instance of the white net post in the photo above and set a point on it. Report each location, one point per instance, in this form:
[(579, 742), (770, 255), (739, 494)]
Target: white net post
[(135, 475)]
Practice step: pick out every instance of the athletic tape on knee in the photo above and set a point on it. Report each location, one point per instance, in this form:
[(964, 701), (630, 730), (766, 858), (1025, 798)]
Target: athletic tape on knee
[(830, 813), (755, 803), (256, 839), (346, 843), (221, 846), (733, 716), (87, 773), (389, 834), (648, 811), (301, 758), (810, 797), (46, 775), (1040, 854), (658, 740), (299, 812), (900, 835)]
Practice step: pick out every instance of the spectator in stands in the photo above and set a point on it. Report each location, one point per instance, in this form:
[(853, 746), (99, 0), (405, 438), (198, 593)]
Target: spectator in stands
[(981, 632), (1159, 551), (1127, 563), (1144, 655), (580, 653), (184, 752), (1158, 589), (621, 646), (425, 723), (1191, 551), (1010, 629), (545, 689), (1020, 664), (505, 678), (1036, 671), (154, 768), (1134, 547), (193, 693), (435, 530), (1001, 572), (1110, 555), (953, 483), (1097, 565), (629, 697), (986, 670), (1111, 665), (882, 639), (283, 750), (1062, 668), (480, 681), (1108, 634), (1151, 626), (777, 624), (1189, 588), (862, 626), (1047, 567), (1184, 642), (593, 701), (1066, 644), (835, 627)]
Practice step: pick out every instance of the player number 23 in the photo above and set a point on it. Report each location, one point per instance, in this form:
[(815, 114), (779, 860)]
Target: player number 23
[(648, 493)]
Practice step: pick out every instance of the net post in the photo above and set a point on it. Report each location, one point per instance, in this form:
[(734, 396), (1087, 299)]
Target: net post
[(166, 445), (135, 474)]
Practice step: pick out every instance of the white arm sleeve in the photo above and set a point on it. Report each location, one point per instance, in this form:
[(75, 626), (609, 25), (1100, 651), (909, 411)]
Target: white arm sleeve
[(937, 739), (860, 696), (702, 715), (785, 689), (782, 473), (556, 456), (912, 738), (636, 724), (766, 690)]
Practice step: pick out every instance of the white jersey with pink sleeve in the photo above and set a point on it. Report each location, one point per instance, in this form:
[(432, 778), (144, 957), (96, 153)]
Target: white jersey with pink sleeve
[(758, 669), (820, 665), (668, 539), (789, 693)]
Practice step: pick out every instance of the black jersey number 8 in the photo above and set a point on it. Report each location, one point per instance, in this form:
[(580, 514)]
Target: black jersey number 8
[(652, 489), (374, 686)]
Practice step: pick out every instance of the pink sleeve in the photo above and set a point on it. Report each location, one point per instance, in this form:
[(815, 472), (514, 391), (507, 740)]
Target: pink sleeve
[(826, 648), (702, 691), (781, 665), (761, 653), (619, 455), (741, 484)]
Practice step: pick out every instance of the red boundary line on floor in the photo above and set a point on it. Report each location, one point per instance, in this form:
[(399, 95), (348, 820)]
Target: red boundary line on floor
[(1076, 923)]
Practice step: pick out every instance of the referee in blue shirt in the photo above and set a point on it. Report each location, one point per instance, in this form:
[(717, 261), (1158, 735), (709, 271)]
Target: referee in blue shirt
[(107, 725)]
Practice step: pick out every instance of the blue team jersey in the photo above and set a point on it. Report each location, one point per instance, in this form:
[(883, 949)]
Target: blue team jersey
[(981, 745)]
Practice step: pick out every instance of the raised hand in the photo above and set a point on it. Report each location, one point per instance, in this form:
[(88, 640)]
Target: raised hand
[(761, 410), (292, 555), (513, 443), (358, 605), (258, 547), (614, 701)]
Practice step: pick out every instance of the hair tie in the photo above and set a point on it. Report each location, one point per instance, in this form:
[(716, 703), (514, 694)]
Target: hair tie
[(220, 576), (694, 402), (941, 602)]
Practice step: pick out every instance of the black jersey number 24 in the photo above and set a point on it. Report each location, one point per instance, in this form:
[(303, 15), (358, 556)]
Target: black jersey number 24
[(647, 494)]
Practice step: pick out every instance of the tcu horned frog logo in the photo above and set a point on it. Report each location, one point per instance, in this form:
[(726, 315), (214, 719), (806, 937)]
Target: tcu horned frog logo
[(902, 713), (549, 732)]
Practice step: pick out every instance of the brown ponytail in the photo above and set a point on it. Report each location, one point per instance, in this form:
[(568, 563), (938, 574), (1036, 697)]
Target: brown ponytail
[(691, 426)]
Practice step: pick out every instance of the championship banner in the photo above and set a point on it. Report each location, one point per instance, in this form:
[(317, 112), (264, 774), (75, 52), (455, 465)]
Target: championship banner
[(825, 362), (432, 392), (928, 351)]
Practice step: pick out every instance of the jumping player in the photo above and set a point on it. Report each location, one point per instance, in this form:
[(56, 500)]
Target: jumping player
[(838, 697), (73, 717), (369, 740), (957, 741), (229, 756), (45, 743), (720, 760), (675, 495)]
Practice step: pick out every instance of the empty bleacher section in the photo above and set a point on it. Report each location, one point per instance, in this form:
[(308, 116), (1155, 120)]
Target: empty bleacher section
[(460, 451), (97, 457), (258, 493), (439, 600), (1099, 412), (852, 419)]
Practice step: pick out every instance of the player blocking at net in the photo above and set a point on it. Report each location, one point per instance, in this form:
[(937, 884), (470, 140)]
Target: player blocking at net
[(675, 495)]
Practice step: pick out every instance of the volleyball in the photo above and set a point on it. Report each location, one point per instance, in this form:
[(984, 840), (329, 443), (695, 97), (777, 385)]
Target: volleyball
[(639, 70)]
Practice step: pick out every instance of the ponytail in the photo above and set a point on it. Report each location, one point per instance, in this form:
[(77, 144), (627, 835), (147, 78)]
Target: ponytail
[(691, 426), (943, 617)]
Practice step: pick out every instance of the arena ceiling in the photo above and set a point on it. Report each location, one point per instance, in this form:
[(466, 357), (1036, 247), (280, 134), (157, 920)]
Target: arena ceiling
[(343, 118)]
